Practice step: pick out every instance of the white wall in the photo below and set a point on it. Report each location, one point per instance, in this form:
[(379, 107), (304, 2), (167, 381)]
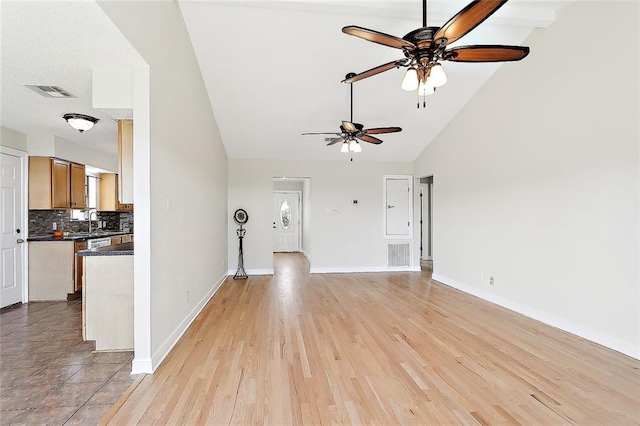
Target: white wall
[(351, 240), (13, 139), (307, 225), (295, 186), (536, 180), (188, 173), (54, 146), (71, 151)]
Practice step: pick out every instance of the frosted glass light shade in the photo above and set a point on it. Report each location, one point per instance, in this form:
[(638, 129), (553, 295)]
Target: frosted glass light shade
[(410, 80), (437, 77), (345, 147), (354, 146), (80, 122)]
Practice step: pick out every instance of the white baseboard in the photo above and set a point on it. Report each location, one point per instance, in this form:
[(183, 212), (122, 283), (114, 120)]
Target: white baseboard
[(251, 272), (549, 319), (140, 366), (173, 338), (306, 255), (361, 269)]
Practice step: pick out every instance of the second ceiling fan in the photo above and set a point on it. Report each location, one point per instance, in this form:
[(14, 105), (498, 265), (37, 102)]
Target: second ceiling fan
[(351, 133), (425, 47)]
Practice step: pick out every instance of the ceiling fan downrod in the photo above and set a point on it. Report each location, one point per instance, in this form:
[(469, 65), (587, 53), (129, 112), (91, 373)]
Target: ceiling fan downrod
[(348, 76), (424, 13)]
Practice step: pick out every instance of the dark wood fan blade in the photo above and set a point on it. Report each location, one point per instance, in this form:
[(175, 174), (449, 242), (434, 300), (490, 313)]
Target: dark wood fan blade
[(370, 139), (378, 37), (376, 70), (486, 53), (349, 126), (328, 133), (380, 130), (334, 141), (467, 19)]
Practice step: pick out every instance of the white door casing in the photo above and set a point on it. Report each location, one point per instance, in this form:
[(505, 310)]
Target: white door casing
[(397, 207), (286, 221), (13, 234)]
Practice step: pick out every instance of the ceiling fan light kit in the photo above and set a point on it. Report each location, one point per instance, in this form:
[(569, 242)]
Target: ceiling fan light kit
[(425, 47), (80, 122)]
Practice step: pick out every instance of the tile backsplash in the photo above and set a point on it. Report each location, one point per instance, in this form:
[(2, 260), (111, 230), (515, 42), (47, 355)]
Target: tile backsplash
[(41, 221)]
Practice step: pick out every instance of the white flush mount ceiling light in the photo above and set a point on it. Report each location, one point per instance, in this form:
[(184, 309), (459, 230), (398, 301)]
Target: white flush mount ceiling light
[(80, 122)]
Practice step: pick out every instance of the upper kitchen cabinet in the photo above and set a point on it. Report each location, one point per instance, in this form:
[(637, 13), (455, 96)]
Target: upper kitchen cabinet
[(109, 200), (56, 184), (125, 161)]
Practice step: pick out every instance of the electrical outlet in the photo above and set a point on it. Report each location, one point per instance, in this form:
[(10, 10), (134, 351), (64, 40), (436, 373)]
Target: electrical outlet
[(187, 298), (54, 225), (491, 282)]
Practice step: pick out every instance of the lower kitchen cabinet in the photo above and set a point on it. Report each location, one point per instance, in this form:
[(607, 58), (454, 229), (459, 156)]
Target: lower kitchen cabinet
[(51, 270), (79, 264)]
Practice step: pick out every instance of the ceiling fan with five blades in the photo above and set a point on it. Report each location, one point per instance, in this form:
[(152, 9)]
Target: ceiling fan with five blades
[(424, 48), (351, 133)]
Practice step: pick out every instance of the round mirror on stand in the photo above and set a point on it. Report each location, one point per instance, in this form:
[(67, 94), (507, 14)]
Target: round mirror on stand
[(240, 217)]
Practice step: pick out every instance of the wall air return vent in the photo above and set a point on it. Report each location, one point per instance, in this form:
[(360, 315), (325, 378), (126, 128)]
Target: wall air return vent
[(398, 254), (50, 91)]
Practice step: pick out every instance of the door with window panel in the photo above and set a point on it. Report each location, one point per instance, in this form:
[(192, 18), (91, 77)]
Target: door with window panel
[(286, 221)]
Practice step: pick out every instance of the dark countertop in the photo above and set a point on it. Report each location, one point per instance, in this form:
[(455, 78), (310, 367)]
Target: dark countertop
[(125, 249), (79, 236)]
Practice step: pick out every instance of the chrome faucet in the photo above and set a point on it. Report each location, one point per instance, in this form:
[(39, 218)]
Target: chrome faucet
[(90, 222)]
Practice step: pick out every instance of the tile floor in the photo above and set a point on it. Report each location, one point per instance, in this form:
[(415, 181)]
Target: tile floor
[(48, 375)]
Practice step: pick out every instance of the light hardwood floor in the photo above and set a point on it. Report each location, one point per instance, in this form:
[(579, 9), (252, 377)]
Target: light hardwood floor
[(377, 349)]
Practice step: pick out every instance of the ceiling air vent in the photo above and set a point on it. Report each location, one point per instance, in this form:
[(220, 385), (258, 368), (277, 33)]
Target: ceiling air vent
[(50, 91)]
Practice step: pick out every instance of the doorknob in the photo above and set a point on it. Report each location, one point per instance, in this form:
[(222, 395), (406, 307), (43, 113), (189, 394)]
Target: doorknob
[(19, 241)]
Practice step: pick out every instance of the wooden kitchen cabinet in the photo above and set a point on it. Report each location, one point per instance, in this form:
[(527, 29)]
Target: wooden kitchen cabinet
[(77, 181), (60, 184), (56, 184), (109, 194), (79, 264), (125, 161)]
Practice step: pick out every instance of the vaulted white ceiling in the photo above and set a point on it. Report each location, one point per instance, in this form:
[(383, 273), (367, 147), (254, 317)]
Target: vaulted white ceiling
[(272, 70)]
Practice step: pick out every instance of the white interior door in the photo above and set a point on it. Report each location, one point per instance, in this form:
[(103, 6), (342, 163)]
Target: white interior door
[(286, 221), (398, 202), (12, 250)]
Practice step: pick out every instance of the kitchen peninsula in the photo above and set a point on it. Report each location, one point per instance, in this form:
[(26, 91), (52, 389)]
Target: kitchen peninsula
[(107, 297), (54, 270)]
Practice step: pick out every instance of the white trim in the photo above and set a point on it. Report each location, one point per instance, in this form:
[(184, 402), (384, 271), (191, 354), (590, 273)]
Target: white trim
[(141, 366), (409, 235), (252, 272), (142, 220), (24, 220), (361, 269), (307, 256), (173, 338), (545, 317)]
